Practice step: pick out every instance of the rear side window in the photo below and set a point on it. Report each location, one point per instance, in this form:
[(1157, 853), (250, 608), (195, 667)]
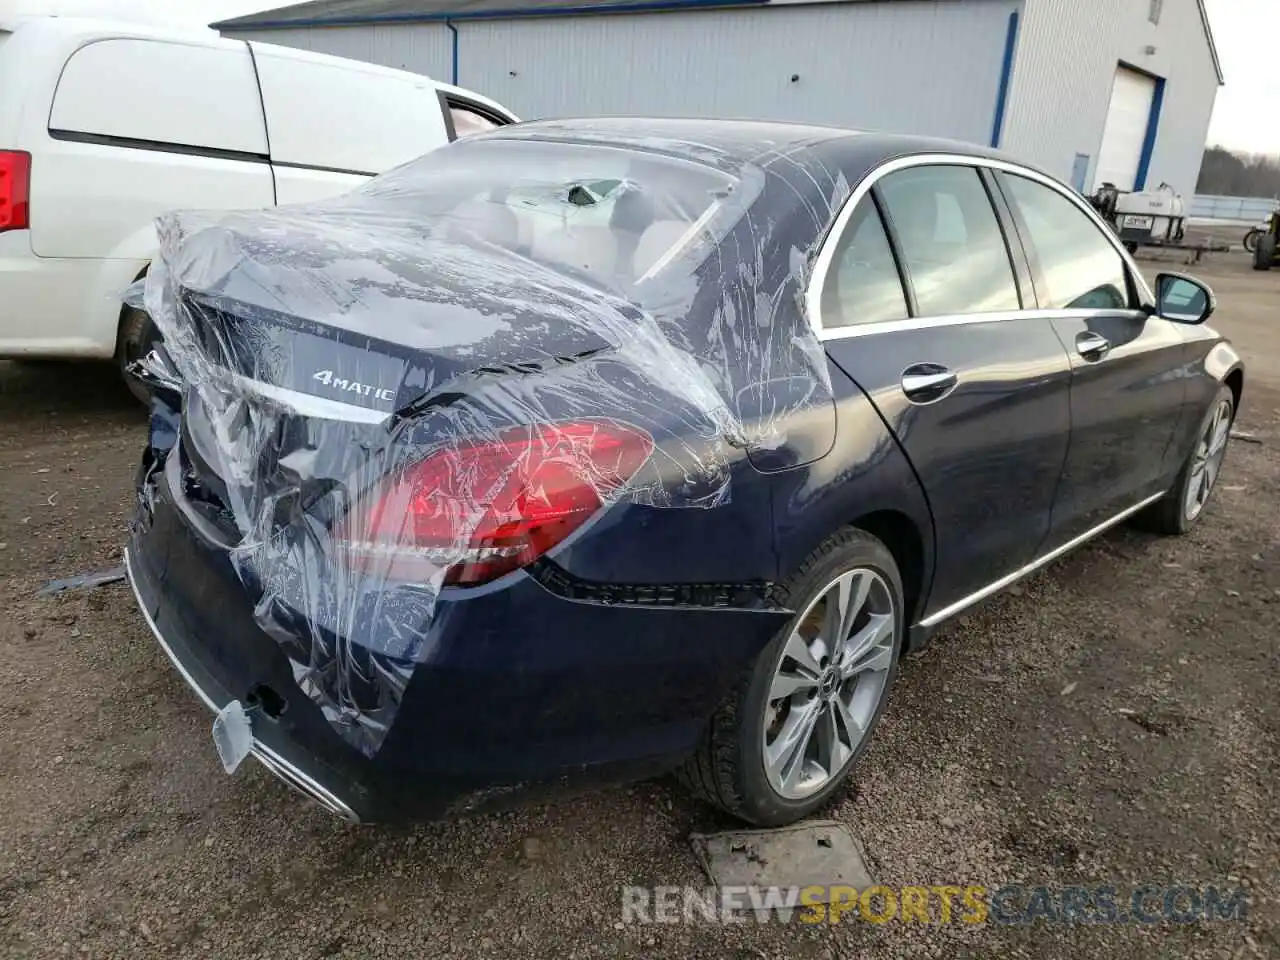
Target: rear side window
[(951, 240), (863, 285), (1079, 268), (163, 93)]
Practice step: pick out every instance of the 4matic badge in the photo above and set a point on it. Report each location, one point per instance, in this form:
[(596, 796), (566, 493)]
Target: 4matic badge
[(352, 386)]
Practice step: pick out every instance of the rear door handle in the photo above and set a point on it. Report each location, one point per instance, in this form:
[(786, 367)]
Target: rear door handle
[(928, 382), (1091, 346)]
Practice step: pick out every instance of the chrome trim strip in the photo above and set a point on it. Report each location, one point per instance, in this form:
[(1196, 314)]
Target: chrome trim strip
[(1034, 565), (308, 405), (822, 264), (955, 320), (275, 763)]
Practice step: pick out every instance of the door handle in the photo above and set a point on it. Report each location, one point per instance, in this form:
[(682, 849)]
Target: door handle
[(1092, 346), (928, 382)]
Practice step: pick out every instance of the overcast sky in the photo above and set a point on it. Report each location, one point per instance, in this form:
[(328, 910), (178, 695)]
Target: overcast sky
[(1247, 115)]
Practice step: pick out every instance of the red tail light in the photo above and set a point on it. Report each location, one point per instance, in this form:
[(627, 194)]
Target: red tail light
[(15, 190), (478, 511)]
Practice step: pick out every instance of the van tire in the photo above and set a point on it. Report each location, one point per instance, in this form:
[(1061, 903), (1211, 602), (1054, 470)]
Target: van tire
[(138, 336)]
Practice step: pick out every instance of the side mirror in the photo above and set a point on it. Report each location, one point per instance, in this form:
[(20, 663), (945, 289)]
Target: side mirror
[(1183, 299)]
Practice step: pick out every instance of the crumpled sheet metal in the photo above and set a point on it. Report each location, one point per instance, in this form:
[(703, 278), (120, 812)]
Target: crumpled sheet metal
[(327, 351)]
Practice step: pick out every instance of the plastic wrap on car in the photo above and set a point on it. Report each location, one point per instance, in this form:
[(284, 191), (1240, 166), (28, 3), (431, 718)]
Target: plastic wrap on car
[(328, 351)]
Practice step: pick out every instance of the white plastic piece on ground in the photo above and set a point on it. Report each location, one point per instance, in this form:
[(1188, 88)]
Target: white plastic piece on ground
[(817, 853), (232, 735)]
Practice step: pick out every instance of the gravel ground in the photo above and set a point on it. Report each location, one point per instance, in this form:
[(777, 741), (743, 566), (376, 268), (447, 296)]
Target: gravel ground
[(1112, 721)]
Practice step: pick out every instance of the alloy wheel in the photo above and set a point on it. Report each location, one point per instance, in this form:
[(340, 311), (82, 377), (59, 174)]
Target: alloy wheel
[(828, 683), (1207, 460)]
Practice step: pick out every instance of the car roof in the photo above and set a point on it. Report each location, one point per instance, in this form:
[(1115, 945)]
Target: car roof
[(761, 142)]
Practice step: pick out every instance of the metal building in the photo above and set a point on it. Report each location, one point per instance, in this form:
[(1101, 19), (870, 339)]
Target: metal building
[(1092, 90)]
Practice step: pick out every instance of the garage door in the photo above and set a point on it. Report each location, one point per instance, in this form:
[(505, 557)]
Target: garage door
[(1125, 130)]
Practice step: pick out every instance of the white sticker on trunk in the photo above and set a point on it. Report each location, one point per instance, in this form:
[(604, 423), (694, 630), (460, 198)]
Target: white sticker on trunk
[(232, 735)]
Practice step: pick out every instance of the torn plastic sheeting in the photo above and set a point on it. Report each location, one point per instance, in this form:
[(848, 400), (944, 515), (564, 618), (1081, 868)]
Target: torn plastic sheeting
[(83, 581), (435, 377)]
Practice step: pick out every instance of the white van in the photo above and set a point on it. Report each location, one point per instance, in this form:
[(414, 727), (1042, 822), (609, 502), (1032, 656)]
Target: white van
[(104, 126)]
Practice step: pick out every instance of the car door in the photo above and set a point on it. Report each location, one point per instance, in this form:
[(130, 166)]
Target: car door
[(1127, 392), (921, 306)]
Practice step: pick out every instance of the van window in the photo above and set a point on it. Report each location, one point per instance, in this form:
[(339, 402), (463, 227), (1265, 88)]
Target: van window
[(467, 121), (346, 116), (162, 92), (464, 117)]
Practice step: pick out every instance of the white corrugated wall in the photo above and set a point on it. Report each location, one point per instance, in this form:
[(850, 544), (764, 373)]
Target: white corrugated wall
[(1066, 60), (924, 66)]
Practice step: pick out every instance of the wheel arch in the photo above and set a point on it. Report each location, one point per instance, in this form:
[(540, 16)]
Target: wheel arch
[(898, 532), (1235, 380)]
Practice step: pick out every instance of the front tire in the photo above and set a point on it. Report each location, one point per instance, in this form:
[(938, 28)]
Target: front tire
[(1184, 504), (783, 743)]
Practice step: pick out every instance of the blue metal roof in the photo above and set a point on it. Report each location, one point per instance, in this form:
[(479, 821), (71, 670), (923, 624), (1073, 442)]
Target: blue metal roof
[(351, 12)]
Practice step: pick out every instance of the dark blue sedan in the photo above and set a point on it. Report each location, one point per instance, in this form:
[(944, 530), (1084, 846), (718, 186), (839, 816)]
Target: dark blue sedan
[(594, 449)]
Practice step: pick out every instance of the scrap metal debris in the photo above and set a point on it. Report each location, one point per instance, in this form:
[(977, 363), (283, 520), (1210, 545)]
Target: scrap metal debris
[(84, 581), (818, 853)]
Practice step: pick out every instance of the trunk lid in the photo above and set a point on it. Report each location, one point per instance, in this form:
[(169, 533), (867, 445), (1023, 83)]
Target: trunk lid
[(396, 316)]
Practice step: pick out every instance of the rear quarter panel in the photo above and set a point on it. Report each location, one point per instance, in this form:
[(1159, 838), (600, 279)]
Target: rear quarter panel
[(730, 541), (865, 473)]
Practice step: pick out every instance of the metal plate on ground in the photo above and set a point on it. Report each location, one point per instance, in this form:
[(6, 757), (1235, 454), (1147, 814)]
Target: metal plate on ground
[(816, 853)]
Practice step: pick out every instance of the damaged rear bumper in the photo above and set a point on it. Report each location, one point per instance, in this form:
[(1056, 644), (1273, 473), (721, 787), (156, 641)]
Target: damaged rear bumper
[(519, 690), (287, 771)]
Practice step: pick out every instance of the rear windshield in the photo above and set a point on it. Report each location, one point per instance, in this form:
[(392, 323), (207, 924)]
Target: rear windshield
[(620, 217)]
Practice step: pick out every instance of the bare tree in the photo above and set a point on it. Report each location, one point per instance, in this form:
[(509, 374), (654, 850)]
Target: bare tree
[(1227, 173)]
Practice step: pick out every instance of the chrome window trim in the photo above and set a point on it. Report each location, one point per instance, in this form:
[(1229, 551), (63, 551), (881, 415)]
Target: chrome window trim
[(956, 319), (826, 253)]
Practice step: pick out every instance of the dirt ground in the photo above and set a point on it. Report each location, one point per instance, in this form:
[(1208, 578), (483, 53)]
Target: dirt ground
[(1115, 720)]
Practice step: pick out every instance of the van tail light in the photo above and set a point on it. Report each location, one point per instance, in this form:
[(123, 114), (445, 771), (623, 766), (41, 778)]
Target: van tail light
[(15, 190), (479, 510)]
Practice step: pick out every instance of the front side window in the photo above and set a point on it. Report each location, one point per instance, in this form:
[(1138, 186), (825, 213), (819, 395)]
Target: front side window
[(863, 285), (950, 240), (1081, 269)]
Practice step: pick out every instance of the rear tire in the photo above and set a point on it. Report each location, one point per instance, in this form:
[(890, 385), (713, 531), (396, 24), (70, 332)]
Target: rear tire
[(1251, 239), (1178, 511), (138, 336), (781, 696), (1264, 255)]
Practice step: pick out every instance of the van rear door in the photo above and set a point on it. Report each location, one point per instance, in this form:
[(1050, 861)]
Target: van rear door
[(335, 123), (139, 127)]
